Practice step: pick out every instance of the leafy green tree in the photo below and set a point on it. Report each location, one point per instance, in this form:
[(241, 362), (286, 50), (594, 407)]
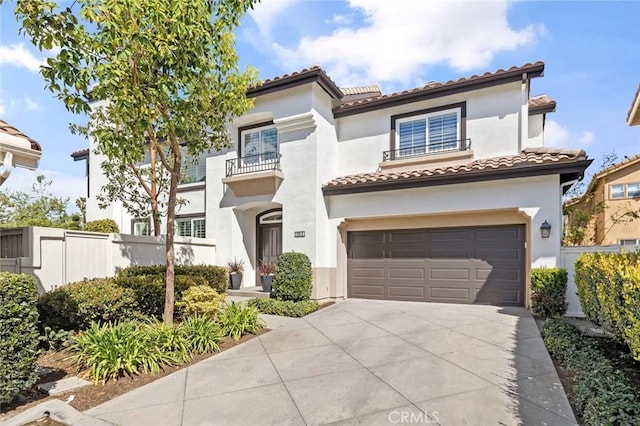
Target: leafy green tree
[(165, 74), (40, 208)]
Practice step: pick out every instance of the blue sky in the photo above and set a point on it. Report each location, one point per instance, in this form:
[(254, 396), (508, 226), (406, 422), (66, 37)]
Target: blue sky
[(591, 51)]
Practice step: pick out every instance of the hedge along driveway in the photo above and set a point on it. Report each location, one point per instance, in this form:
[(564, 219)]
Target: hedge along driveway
[(366, 362), (609, 290)]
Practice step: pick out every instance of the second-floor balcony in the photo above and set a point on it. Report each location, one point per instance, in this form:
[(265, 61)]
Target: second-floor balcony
[(411, 157), (254, 174)]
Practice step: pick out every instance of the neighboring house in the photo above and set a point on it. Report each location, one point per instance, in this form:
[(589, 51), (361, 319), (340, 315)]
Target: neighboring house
[(16, 150), (432, 194), (610, 205)]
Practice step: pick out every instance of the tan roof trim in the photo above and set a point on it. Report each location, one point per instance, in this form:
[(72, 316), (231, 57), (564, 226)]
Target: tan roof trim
[(570, 164), (633, 115), (434, 89), (10, 130), (541, 104), (314, 74), (362, 90)]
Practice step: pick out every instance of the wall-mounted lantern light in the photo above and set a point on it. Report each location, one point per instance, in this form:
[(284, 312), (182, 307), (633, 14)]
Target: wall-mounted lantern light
[(545, 229)]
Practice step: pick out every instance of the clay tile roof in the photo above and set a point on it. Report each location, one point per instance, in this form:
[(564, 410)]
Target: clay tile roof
[(83, 154), (530, 157), (362, 90), (535, 69), (541, 104), (306, 75), (8, 129)]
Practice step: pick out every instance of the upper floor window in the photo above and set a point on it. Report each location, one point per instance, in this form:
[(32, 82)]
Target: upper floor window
[(259, 145), (191, 227), (428, 133), (194, 169), (629, 190)]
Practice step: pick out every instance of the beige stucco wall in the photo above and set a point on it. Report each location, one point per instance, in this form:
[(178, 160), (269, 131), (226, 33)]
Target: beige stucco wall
[(616, 226)]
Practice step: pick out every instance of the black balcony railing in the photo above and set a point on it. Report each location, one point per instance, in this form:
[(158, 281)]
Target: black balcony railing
[(253, 163), (431, 149)]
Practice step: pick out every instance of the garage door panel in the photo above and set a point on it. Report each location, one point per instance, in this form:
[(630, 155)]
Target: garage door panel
[(406, 292), (452, 274), (445, 294), (407, 273), (465, 265)]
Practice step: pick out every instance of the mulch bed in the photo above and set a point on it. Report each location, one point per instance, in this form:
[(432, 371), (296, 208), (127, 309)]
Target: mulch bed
[(617, 354), (90, 396)]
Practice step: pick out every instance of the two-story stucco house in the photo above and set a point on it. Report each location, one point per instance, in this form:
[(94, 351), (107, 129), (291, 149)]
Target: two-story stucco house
[(432, 194)]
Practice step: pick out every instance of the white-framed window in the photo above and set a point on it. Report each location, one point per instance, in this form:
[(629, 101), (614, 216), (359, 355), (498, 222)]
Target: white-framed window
[(141, 227), (191, 227), (633, 190), (428, 133), (193, 169), (629, 190), (617, 191), (259, 145), (630, 242)]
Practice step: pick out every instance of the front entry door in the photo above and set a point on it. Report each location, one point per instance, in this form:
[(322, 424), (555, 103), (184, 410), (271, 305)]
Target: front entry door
[(270, 246)]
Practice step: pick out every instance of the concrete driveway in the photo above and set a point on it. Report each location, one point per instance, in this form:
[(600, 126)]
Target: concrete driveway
[(366, 362)]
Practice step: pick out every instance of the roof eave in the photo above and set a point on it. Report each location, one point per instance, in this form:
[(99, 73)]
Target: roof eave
[(543, 109), (315, 75), (567, 171), (533, 71)]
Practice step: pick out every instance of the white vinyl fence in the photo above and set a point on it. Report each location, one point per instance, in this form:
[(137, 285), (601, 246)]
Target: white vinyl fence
[(568, 257), (58, 256)]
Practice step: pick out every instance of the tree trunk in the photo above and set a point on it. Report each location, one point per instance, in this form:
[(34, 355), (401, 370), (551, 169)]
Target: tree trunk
[(155, 213), (171, 226)]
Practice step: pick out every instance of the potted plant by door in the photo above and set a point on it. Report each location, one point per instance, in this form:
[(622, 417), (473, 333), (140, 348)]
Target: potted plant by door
[(266, 274), (236, 268)]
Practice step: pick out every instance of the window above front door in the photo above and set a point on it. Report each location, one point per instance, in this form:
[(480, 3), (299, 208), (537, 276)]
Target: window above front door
[(259, 144)]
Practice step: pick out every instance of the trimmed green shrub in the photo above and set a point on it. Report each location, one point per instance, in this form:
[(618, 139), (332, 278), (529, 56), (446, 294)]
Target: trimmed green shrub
[(548, 291), (609, 291), (602, 394), (150, 293), (102, 225), (286, 308), (18, 334), (216, 276), (236, 320), (201, 300), (75, 306), (293, 277)]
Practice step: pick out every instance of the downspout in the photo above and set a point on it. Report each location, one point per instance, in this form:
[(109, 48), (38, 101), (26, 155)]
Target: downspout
[(524, 112), (6, 167)]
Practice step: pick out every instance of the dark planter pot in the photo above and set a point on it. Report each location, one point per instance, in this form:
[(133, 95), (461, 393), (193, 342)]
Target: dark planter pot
[(236, 280), (266, 282)]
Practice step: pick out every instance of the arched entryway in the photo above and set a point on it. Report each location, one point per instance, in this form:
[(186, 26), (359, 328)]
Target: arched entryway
[(268, 236)]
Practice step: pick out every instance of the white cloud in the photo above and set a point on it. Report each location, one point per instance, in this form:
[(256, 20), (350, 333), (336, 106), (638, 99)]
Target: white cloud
[(2, 107), (399, 38), (587, 138), (338, 19), (30, 104), (18, 55), (555, 134), (265, 12), (559, 136)]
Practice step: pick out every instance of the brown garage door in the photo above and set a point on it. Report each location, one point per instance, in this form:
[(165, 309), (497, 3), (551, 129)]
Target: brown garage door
[(482, 265)]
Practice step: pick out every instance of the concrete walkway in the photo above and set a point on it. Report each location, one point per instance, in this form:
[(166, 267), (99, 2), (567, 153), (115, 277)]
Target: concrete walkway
[(366, 362)]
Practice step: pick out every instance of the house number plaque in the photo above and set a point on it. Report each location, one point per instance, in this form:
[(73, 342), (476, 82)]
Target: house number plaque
[(298, 234)]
